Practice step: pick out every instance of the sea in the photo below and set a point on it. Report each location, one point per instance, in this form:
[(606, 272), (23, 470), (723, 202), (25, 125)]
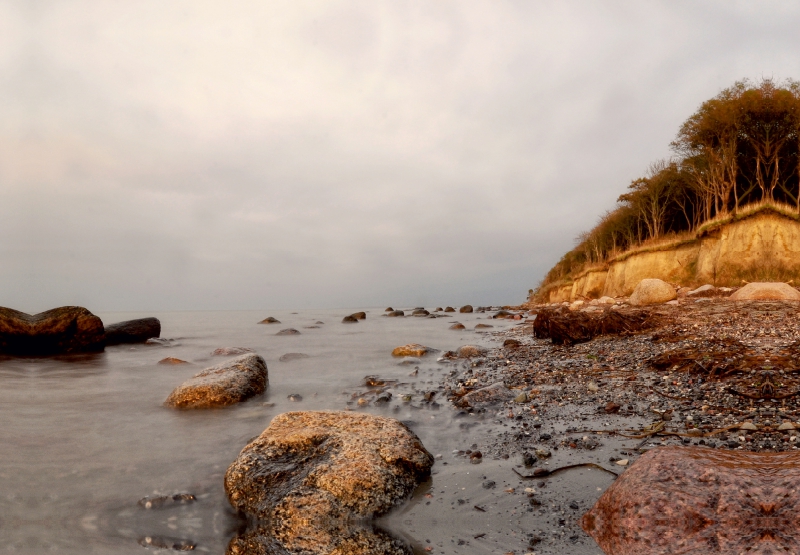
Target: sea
[(84, 439)]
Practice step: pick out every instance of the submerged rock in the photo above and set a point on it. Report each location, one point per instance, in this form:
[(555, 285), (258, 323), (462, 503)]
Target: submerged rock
[(64, 330), (411, 350), (292, 356), (766, 291), (230, 351), (319, 466), (700, 501), (270, 320), (288, 331), (172, 361), (133, 331), (225, 384)]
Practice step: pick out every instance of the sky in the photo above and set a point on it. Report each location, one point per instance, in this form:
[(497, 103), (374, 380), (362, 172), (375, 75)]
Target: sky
[(245, 155)]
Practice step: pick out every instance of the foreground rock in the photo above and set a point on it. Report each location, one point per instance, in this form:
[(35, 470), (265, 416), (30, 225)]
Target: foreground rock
[(766, 291), (133, 331), (225, 384), (652, 291), (326, 466), (700, 501), (411, 350), (69, 329)]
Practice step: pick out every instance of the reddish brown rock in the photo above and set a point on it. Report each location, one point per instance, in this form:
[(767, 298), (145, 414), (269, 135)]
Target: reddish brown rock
[(699, 501), (172, 361), (225, 384), (411, 350), (133, 331), (69, 329)]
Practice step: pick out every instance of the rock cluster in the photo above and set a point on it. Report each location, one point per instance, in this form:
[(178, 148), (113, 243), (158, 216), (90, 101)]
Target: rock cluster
[(69, 329), (224, 384)]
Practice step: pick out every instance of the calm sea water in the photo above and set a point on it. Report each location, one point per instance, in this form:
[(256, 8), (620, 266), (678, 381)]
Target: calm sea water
[(82, 440)]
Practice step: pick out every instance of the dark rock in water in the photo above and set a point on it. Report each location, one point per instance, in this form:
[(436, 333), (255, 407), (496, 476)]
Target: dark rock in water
[(230, 351), (420, 312), (225, 384), (565, 327), (288, 331), (389, 309), (270, 320), (395, 313), (133, 331), (502, 314), (69, 329), (449, 309), (511, 343), (466, 308), (292, 356), (457, 326), (695, 500), (349, 320), (317, 465), (438, 309), (359, 315), (172, 361)]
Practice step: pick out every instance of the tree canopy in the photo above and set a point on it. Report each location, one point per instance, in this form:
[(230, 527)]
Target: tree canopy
[(740, 148)]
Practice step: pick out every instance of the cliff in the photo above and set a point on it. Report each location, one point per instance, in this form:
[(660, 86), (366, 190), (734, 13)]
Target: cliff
[(764, 246)]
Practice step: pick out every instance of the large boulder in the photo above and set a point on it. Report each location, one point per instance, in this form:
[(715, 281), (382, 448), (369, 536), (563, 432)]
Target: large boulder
[(317, 465), (225, 384), (69, 329), (698, 500), (766, 291), (652, 291), (133, 331)]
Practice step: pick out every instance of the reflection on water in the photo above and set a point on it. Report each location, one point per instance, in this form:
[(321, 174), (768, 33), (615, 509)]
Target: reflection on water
[(86, 437)]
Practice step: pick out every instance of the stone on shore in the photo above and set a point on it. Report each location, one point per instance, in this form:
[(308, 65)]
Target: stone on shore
[(483, 326), (469, 351), (270, 320), (457, 326), (652, 291), (467, 308), (490, 395), (411, 350), (699, 500), (766, 291), (133, 331), (706, 290), (225, 384), (326, 465), (64, 330)]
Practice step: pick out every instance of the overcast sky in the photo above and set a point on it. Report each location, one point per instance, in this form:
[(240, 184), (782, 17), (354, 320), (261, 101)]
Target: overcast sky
[(192, 154)]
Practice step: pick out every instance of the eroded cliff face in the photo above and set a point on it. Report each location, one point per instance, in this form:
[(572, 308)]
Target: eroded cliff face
[(763, 247)]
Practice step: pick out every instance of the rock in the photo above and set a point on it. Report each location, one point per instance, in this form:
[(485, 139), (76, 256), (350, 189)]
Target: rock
[(69, 329), (411, 350), (438, 309), (295, 397), (457, 326), (133, 331), (469, 351), (292, 356), (228, 383), (749, 426), (652, 291), (543, 453), (521, 398), (349, 320), (395, 313), (172, 361), (161, 342), (766, 291), (786, 426), (288, 331), (389, 309), (420, 312), (319, 465), (483, 326), (409, 361), (449, 309), (511, 343), (359, 315), (699, 500), (270, 320), (466, 308), (706, 290), (502, 314), (606, 300), (622, 462), (490, 395), (230, 351)]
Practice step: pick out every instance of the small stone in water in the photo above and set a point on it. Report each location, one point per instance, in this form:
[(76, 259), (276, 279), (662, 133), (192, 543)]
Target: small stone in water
[(295, 397)]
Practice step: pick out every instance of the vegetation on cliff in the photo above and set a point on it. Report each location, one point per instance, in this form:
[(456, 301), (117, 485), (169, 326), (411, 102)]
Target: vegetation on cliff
[(740, 152)]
